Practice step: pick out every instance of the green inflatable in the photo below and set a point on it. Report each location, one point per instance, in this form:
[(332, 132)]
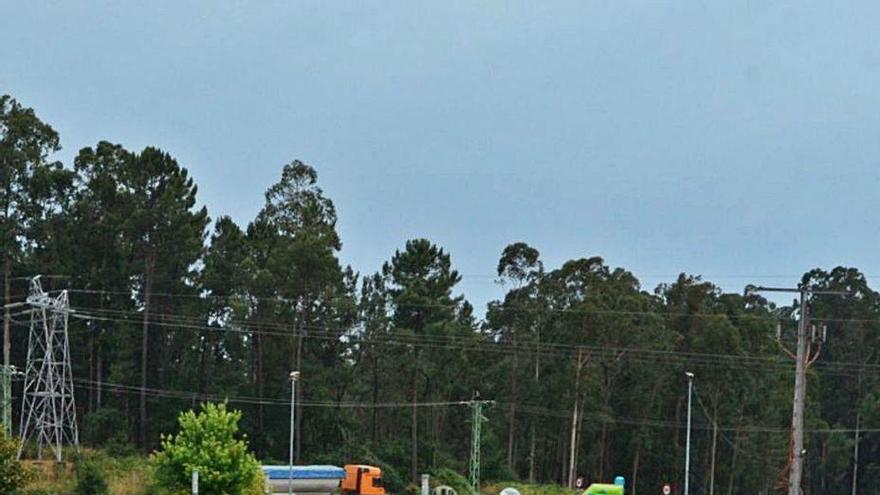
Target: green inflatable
[(607, 489), (604, 489)]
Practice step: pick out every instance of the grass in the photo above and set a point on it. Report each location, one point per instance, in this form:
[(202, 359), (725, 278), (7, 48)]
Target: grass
[(129, 475), (526, 489)]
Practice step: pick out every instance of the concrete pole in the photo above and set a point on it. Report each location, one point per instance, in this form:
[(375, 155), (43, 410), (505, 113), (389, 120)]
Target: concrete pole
[(687, 449), (294, 376), (800, 392)]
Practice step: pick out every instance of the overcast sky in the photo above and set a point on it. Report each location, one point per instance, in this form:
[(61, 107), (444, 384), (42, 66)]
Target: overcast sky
[(739, 140)]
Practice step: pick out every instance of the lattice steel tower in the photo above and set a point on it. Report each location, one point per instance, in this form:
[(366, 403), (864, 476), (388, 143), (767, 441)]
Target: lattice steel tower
[(477, 419), (48, 415)]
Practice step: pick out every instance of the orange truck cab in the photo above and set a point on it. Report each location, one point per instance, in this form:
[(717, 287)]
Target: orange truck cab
[(362, 480)]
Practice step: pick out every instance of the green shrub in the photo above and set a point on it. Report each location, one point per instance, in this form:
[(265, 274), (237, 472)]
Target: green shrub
[(459, 483), (90, 479), (13, 475), (207, 442), (526, 489)]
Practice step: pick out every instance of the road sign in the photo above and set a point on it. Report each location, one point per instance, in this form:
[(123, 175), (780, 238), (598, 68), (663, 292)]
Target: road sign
[(667, 490), (509, 491), (579, 482)]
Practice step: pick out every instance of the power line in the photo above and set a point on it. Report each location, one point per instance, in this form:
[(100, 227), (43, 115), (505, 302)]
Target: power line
[(736, 361), (531, 409)]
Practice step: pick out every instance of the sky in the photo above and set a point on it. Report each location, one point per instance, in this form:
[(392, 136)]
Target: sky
[(737, 140)]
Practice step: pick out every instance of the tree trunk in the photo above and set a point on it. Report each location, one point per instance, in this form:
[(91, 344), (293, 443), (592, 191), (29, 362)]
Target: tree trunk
[(299, 399), (375, 412), (572, 460), (414, 466), (7, 317), (259, 379), (636, 458), (603, 439), (733, 464), (91, 370), (513, 400), (99, 377), (149, 268), (532, 443), (532, 454), (714, 452)]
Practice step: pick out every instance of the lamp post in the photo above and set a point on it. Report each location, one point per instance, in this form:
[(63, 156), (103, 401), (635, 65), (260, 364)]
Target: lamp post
[(687, 454), (294, 376)]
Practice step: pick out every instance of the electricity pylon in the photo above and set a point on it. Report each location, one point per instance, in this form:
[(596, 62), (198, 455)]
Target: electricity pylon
[(48, 409), (477, 419)]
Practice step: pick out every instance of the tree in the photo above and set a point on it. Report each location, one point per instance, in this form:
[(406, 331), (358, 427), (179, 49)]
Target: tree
[(420, 280), (28, 182), (296, 281), (13, 475), (166, 232), (208, 441), (513, 322)]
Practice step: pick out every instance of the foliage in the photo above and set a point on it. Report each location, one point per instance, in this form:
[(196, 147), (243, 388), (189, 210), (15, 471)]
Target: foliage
[(388, 359), (90, 479), (208, 442), (525, 488), (13, 475), (459, 483)]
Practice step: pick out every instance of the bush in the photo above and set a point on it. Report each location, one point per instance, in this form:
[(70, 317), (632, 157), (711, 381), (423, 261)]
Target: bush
[(207, 442), (459, 483), (90, 479), (527, 489), (13, 475)]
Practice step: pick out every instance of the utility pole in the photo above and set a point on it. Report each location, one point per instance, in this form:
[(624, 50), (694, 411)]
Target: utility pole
[(687, 448), (476, 427), (803, 359), (294, 376), (6, 373)]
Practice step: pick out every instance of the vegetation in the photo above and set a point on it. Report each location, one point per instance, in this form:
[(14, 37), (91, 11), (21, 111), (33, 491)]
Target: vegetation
[(13, 475), (90, 479), (207, 443), (177, 309)]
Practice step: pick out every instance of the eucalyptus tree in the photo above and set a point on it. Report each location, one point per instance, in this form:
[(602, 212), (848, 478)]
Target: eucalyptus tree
[(515, 322), (297, 279), (29, 183)]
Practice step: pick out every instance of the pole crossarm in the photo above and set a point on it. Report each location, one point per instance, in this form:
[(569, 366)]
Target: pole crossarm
[(804, 357)]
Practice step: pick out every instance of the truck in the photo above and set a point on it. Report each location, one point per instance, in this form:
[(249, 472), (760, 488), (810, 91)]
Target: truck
[(352, 479)]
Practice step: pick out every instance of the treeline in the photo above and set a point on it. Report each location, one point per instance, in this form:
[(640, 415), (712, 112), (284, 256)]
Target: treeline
[(174, 308)]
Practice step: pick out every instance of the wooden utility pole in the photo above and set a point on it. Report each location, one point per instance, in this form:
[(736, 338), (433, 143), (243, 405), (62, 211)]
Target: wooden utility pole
[(803, 359)]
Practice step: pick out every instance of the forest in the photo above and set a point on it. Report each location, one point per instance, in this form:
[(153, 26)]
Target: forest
[(174, 305)]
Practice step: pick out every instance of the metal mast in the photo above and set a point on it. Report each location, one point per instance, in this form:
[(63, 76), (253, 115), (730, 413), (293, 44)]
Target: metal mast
[(476, 427), (48, 409)]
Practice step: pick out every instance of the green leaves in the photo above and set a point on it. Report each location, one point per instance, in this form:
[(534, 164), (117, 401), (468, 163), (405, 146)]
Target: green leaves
[(208, 441), (13, 475)]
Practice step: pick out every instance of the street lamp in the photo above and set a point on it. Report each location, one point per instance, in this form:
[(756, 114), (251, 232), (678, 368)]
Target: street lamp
[(294, 376), (687, 455)]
